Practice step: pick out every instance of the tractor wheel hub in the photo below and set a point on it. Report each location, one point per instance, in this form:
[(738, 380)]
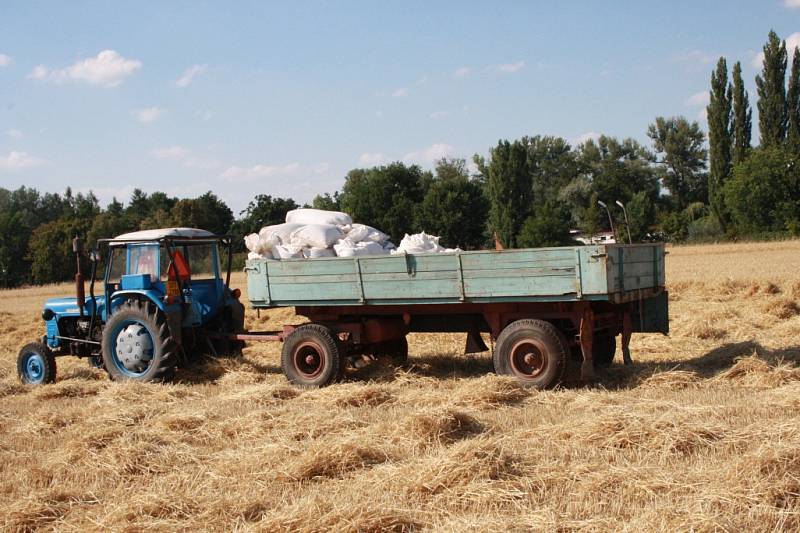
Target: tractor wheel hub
[(134, 347)]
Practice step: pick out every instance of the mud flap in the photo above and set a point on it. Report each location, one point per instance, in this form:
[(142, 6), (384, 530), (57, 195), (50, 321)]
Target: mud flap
[(651, 315)]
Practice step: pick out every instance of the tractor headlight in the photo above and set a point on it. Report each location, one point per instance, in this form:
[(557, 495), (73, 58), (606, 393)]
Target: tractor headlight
[(48, 314)]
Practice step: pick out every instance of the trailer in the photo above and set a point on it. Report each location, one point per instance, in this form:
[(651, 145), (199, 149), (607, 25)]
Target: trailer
[(543, 308)]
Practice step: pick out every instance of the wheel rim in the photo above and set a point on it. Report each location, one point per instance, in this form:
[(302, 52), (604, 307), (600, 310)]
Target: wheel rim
[(309, 360), (33, 368), (132, 348), (528, 359)]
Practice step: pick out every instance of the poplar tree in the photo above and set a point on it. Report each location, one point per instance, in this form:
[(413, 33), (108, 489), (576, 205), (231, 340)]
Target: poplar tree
[(719, 139), (793, 106), (742, 117), (772, 93), (509, 189)]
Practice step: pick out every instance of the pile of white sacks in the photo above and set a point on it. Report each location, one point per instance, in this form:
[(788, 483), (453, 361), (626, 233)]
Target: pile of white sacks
[(311, 233)]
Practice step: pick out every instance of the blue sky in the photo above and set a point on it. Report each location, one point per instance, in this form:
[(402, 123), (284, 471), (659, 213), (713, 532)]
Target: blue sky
[(243, 98)]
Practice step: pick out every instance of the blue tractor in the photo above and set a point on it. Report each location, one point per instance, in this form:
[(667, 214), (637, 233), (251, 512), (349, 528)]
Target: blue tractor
[(164, 299)]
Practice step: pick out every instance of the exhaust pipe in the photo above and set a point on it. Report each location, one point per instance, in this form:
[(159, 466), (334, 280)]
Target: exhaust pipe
[(80, 294)]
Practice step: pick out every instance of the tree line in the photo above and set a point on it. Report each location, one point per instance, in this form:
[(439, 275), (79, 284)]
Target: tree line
[(523, 193)]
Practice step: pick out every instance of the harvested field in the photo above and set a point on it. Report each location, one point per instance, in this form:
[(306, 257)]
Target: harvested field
[(702, 433)]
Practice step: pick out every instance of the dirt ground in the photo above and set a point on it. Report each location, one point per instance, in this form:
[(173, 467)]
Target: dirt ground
[(701, 434)]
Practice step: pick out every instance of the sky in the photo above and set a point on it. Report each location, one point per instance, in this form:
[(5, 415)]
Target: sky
[(244, 98)]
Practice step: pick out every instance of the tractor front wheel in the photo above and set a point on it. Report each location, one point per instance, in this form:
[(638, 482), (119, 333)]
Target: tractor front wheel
[(137, 345), (36, 364)]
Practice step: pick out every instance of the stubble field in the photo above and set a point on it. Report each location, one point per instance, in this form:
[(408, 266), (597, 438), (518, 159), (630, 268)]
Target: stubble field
[(702, 433)]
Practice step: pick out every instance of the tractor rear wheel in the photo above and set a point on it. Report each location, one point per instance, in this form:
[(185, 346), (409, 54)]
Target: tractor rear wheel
[(311, 356), (36, 364), (137, 345), (533, 351)]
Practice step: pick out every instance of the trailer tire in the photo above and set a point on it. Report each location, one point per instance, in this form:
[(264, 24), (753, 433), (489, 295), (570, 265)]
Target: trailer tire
[(604, 346), (146, 327), (533, 351), (36, 364), (311, 357)]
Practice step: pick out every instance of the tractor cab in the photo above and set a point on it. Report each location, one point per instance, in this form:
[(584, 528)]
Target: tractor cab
[(163, 298), (178, 269)]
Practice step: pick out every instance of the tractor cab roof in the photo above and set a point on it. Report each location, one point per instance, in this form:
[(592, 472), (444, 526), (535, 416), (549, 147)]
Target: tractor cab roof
[(157, 235)]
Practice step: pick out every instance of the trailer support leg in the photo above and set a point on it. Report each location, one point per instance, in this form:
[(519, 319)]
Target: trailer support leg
[(627, 330), (587, 339)]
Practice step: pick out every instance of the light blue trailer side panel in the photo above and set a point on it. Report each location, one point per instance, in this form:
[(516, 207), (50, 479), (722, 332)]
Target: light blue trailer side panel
[(542, 274)]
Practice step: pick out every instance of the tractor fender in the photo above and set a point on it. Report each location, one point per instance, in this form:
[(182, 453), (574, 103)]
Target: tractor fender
[(172, 312)]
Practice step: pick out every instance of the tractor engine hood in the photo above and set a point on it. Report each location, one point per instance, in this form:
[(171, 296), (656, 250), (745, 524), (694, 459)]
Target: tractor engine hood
[(68, 307)]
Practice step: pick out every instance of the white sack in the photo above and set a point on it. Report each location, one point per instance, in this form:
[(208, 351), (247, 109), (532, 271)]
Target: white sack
[(348, 248), (263, 255), (315, 236), (253, 243), (421, 243), (318, 216), (281, 231), (362, 232), (313, 253), (287, 252)]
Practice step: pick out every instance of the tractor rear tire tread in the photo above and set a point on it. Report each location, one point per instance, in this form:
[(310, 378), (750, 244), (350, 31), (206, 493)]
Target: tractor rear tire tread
[(165, 349)]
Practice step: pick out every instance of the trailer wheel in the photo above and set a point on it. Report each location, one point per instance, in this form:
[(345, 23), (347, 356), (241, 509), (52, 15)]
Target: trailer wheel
[(36, 364), (604, 346), (310, 357), (397, 349), (137, 345), (533, 351)]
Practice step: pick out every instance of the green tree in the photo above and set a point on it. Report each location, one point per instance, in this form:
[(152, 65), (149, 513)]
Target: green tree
[(13, 248), (50, 250), (680, 145), (764, 191), (793, 105), (264, 210), (742, 117), (204, 212), (509, 190), (326, 202), (454, 207), (719, 140), (772, 93), (618, 170), (385, 197), (641, 216), (552, 164), (547, 226)]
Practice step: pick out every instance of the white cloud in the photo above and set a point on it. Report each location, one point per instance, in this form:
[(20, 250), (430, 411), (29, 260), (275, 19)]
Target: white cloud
[(702, 115), (509, 68), (695, 57), (583, 137), (792, 42), (792, 4), (18, 161), (173, 153), (462, 72), (188, 75), (702, 98), (244, 174), (429, 155), (184, 156), (205, 116), (400, 92), (107, 69), (14, 133), (147, 114), (5, 60), (437, 115), (321, 168), (371, 159)]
